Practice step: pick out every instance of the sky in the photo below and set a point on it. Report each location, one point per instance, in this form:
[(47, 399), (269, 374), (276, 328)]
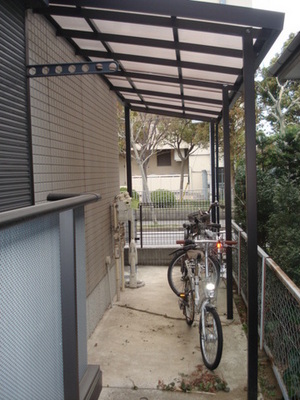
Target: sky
[(291, 8)]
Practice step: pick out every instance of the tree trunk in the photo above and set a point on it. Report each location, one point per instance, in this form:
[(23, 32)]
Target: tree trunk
[(146, 198), (183, 160)]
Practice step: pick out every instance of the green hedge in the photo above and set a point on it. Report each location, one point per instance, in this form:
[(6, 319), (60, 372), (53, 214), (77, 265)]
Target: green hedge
[(163, 198)]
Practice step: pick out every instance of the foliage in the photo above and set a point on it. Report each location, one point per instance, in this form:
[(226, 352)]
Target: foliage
[(187, 135), (240, 195), (145, 138), (283, 229), (278, 102), (278, 172), (291, 378), (278, 198), (200, 380), (163, 198), (237, 135), (186, 131)]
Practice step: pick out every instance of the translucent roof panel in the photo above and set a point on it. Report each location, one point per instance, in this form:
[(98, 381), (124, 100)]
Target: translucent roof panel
[(137, 30), (211, 59), (142, 51), (174, 57), (211, 39)]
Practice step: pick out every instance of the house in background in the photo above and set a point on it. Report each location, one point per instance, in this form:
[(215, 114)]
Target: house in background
[(164, 172)]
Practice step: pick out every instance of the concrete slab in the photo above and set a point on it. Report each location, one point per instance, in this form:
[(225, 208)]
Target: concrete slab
[(144, 339)]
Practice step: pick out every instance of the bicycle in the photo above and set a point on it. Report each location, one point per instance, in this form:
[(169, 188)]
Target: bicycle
[(199, 221), (200, 226), (192, 271), (190, 256), (191, 265)]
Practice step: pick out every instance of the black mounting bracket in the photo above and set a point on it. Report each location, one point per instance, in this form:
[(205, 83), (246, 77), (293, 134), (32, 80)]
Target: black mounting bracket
[(82, 68)]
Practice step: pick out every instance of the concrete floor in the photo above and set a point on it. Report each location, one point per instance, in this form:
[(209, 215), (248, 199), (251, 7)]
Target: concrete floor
[(144, 339)]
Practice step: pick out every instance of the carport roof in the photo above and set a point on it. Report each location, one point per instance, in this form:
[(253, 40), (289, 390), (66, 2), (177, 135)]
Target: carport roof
[(175, 57)]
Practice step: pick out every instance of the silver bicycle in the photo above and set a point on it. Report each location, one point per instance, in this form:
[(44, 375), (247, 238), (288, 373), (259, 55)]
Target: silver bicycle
[(191, 267)]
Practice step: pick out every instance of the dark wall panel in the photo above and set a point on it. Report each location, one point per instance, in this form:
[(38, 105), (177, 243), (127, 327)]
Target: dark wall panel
[(15, 149)]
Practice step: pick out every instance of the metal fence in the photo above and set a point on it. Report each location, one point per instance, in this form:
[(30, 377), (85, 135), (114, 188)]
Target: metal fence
[(160, 223), (279, 314)]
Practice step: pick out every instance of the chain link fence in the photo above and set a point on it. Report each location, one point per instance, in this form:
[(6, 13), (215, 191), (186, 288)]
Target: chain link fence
[(279, 314), (160, 222)]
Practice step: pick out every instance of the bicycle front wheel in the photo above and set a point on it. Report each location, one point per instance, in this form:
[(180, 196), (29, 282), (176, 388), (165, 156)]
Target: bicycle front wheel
[(211, 337), (177, 273)]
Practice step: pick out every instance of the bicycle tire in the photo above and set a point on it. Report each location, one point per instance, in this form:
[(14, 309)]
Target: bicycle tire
[(211, 341), (177, 273), (188, 304)]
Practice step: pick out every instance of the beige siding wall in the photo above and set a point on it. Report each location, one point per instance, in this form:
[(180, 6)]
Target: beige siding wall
[(153, 172), (74, 139)]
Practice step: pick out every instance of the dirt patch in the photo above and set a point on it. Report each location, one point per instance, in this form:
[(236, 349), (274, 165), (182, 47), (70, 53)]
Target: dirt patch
[(200, 380), (266, 378)]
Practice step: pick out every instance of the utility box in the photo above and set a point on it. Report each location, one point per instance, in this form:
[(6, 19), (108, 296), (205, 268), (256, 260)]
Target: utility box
[(123, 203)]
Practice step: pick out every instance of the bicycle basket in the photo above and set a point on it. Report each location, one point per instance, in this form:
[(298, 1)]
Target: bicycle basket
[(199, 216)]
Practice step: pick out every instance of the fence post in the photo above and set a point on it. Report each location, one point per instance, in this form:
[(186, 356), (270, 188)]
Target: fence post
[(262, 311), (239, 261), (141, 225)]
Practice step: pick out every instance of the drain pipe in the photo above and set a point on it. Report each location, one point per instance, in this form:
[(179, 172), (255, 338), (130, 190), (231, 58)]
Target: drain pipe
[(133, 256), (134, 283), (117, 248)]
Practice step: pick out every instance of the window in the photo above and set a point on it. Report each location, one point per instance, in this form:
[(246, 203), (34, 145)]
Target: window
[(164, 158), (221, 177)]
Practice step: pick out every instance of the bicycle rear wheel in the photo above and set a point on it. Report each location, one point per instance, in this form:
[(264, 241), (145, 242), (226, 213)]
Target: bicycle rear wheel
[(188, 303), (177, 273), (211, 337)]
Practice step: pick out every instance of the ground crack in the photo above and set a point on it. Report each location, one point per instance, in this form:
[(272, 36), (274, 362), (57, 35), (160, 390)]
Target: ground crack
[(149, 312)]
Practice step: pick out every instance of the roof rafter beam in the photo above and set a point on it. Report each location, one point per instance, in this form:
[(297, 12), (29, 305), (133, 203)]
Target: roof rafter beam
[(178, 59), (164, 44), (167, 95), (172, 114), (161, 61), (117, 16), (188, 9), (174, 107), (175, 80)]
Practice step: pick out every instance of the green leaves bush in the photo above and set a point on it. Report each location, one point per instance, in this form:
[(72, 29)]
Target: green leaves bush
[(162, 198)]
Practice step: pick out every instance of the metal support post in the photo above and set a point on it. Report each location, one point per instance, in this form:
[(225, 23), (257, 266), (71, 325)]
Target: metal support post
[(212, 159), (250, 128), (128, 161), (69, 306), (227, 200), (217, 172)]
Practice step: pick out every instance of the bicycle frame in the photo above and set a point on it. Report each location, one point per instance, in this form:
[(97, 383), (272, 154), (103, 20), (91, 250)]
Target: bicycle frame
[(195, 278)]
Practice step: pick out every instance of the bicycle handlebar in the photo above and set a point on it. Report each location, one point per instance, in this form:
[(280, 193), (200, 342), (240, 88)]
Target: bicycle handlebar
[(203, 241), (230, 242)]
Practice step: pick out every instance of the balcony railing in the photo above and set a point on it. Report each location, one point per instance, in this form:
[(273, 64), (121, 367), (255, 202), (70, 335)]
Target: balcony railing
[(42, 301), (279, 314)]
